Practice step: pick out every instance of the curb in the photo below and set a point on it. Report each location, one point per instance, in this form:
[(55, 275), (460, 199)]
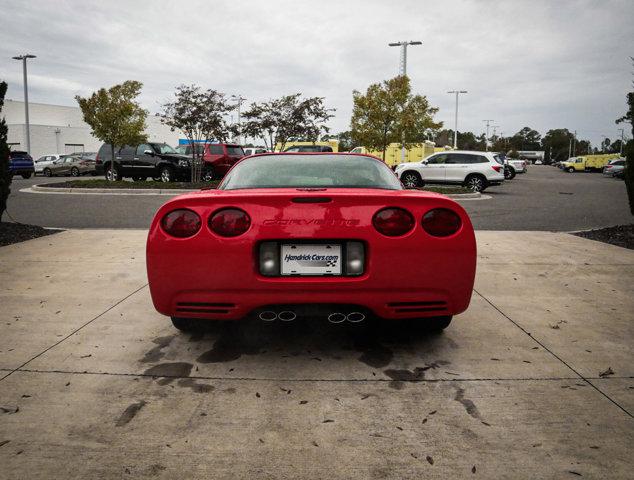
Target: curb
[(108, 191), (458, 196)]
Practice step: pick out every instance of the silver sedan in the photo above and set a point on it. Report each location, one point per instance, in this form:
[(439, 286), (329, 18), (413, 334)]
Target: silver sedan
[(68, 165)]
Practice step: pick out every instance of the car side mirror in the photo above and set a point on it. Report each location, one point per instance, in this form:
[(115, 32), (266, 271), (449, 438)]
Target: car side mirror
[(424, 162), (148, 152)]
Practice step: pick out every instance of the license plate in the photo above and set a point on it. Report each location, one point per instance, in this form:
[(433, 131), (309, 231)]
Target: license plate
[(303, 259)]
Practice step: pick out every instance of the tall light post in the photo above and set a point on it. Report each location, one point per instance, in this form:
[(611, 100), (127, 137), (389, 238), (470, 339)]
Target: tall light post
[(26, 98), (403, 62), (455, 132), (621, 152), (403, 70), (486, 142), (239, 99)]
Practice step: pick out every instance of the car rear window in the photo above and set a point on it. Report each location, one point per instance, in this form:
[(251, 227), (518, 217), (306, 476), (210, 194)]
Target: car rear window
[(235, 151), (311, 171)]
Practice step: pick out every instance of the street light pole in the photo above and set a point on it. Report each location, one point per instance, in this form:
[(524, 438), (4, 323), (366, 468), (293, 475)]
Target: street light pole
[(403, 62), (486, 141), (239, 99), (455, 132), (26, 99), (403, 70)]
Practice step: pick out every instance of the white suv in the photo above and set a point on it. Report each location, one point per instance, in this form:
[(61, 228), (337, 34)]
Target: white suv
[(474, 170)]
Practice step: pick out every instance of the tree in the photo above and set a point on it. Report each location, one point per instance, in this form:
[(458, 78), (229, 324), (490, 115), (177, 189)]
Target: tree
[(344, 139), (115, 118), (514, 154), (557, 142), (5, 176), (200, 116), (525, 139), (389, 113), (629, 151), (289, 117)]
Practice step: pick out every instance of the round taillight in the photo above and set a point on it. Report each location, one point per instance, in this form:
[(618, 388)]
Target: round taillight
[(393, 222), (441, 222), (181, 223), (229, 222)]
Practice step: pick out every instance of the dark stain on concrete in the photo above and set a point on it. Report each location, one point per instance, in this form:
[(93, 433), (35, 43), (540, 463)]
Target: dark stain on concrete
[(230, 346), (416, 375), (170, 371), (195, 386), (156, 353), (374, 354), (129, 413), (469, 406)]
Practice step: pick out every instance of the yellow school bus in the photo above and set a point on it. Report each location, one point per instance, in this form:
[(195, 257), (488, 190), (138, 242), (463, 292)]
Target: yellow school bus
[(296, 146), (394, 155)]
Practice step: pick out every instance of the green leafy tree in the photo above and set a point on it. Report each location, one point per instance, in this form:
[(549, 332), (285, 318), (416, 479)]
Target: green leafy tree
[(344, 139), (466, 140), (200, 116), (557, 142), (281, 120), (115, 118), (389, 113), (5, 176), (514, 154), (629, 150), (525, 139)]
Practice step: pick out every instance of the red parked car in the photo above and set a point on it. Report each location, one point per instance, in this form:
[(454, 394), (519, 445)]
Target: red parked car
[(218, 157), (329, 234)]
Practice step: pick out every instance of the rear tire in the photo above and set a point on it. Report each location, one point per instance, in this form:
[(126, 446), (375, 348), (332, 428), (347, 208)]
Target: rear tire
[(26, 175), (476, 183), (208, 174), (74, 172), (509, 173), (411, 179), (47, 172), (437, 324), (571, 169), (167, 174), (185, 324), (113, 176)]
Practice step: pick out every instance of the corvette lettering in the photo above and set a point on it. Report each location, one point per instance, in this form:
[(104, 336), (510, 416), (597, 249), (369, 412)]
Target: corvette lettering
[(335, 222)]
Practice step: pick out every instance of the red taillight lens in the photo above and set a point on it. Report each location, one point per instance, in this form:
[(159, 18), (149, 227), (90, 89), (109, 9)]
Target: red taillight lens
[(229, 222), (393, 222), (181, 223), (97, 160), (497, 168), (441, 222)]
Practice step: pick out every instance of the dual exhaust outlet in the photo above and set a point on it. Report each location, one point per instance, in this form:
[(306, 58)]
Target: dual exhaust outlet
[(289, 316)]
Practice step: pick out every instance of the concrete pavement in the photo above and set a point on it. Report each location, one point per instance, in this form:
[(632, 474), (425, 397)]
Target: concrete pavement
[(96, 384)]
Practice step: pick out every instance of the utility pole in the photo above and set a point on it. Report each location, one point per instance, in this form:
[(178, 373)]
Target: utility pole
[(455, 132), (403, 70), (569, 148), (621, 151), (574, 144), (487, 136), (239, 99), (26, 99)]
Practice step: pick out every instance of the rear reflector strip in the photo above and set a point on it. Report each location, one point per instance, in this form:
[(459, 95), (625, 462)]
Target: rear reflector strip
[(311, 200), (204, 307)]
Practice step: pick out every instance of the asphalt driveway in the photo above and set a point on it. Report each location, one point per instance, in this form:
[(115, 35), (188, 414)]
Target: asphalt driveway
[(543, 199), (533, 381)]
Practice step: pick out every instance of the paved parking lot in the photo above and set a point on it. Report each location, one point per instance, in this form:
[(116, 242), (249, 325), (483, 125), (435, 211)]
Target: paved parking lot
[(535, 380), (543, 199)]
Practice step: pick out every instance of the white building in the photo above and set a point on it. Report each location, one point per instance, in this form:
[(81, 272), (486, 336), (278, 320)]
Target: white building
[(60, 129)]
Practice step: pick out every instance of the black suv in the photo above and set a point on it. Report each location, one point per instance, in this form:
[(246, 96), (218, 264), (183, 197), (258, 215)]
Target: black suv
[(156, 160)]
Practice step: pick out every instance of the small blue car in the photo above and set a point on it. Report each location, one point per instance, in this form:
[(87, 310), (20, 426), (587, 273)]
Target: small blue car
[(21, 163)]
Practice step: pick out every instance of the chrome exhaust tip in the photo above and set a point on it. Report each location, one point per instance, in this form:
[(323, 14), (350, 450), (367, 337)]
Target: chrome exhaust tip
[(268, 316), (336, 317), (287, 316), (355, 317)]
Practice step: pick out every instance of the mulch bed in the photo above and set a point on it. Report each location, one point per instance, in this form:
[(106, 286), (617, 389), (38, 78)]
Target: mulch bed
[(18, 232), (621, 235)]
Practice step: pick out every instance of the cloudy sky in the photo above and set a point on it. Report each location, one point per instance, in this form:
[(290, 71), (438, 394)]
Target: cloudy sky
[(551, 64)]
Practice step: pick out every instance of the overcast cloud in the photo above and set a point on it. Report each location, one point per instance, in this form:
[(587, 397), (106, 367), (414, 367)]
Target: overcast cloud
[(558, 64)]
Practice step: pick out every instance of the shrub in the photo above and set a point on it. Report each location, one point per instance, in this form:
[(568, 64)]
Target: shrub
[(5, 177)]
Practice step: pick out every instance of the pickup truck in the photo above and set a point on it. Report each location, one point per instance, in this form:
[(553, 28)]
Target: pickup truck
[(588, 163)]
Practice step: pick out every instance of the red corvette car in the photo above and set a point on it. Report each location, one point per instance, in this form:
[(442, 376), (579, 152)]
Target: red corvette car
[(291, 234)]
